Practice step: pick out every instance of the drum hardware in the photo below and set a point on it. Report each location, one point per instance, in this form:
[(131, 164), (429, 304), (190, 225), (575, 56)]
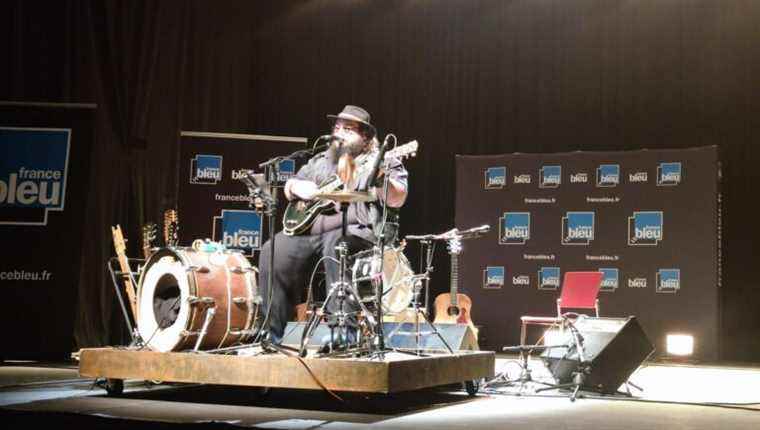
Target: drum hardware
[(342, 288), (207, 301), (199, 269), (241, 301), (210, 312), (241, 270)]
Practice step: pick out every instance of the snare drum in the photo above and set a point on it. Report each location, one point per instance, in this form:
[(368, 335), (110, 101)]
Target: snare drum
[(183, 292), (398, 284)]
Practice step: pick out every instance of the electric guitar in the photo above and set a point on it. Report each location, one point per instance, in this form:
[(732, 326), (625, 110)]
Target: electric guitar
[(149, 232), (119, 243), (454, 307), (300, 214), (171, 228)]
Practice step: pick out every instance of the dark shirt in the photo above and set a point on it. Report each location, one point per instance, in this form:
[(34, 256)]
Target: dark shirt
[(362, 217)]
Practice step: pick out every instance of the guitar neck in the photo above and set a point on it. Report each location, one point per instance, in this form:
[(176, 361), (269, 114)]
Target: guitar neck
[(454, 279)]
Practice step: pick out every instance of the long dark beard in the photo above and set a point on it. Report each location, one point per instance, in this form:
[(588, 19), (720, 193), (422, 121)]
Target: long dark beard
[(335, 151)]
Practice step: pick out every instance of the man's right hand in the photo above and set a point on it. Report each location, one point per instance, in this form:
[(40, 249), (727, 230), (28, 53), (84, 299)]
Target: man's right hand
[(304, 190)]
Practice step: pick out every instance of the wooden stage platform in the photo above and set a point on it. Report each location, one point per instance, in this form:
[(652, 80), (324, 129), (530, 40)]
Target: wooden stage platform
[(397, 372)]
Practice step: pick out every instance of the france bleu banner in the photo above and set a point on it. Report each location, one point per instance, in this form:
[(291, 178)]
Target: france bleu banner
[(212, 201), (648, 220), (44, 181)]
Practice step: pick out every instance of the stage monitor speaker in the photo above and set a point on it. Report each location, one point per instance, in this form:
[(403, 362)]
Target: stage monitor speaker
[(397, 335), (613, 347)]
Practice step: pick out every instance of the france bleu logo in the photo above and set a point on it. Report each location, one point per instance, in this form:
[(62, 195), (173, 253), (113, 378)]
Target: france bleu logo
[(668, 174), (33, 171), (645, 228), (578, 228), (514, 228), (551, 176), (286, 168), (238, 229), (548, 278), (493, 277), (608, 175), (610, 280), (206, 169), (668, 280), (496, 178)]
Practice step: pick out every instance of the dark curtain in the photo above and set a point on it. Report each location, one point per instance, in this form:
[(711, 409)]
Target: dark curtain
[(475, 77)]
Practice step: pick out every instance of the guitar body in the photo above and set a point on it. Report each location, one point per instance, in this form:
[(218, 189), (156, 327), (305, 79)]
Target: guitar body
[(458, 313), (300, 215)]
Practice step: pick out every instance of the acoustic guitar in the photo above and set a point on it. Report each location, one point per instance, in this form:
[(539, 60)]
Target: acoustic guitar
[(300, 215), (454, 307)]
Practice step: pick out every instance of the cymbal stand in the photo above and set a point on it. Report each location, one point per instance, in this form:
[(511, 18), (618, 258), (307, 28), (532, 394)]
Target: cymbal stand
[(427, 242), (340, 290)]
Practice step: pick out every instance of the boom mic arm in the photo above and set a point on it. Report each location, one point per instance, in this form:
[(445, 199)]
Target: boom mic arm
[(376, 167)]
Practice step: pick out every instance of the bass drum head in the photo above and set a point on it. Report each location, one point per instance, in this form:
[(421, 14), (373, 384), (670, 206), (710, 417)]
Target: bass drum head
[(398, 287), (163, 308)]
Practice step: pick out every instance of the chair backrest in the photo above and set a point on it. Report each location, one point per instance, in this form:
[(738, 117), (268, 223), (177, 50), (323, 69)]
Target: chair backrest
[(579, 290)]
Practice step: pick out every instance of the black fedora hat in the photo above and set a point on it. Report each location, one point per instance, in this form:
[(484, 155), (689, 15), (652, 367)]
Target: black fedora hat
[(355, 113)]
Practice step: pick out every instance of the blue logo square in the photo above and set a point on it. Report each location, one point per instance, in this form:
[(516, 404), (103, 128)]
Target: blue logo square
[(608, 175), (493, 277), (549, 278), (551, 176), (514, 228), (578, 228), (668, 280), (206, 169), (610, 280), (238, 229), (496, 178), (669, 174), (645, 228)]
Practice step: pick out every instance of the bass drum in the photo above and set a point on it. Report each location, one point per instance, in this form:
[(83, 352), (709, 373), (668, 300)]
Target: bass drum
[(183, 292), (397, 280)]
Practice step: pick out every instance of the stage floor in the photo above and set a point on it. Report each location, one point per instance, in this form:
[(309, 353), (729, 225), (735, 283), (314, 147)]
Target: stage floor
[(674, 396)]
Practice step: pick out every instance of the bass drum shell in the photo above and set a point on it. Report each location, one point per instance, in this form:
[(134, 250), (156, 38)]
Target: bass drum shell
[(398, 284), (177, 288)]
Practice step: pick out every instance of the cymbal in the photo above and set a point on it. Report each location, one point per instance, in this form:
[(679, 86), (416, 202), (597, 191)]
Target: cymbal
[(346, 196)]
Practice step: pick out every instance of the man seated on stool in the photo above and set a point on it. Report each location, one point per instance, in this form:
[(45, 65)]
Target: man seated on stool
[(353, 135)]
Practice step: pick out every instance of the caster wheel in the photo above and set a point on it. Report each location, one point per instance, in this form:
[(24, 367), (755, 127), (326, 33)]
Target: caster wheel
[(114, 387), (472, 387)]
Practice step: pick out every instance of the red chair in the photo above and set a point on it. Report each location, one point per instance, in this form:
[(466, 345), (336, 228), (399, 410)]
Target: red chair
[(579, 291)]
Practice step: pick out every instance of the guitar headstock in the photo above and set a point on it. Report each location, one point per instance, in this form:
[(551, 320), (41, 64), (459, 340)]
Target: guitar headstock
[(149, 234), (171, 227), (404, 151), (119, 243), (454, 244)]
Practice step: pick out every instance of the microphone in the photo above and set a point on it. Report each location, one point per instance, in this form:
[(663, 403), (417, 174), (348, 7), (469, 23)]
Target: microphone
[(330, 138), (376, 167), (476, 231)]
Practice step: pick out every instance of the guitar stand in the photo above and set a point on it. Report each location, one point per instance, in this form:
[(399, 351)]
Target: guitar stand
[(136, 339)]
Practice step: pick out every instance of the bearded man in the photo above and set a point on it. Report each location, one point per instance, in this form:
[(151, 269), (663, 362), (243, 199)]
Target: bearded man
[(295, 256)]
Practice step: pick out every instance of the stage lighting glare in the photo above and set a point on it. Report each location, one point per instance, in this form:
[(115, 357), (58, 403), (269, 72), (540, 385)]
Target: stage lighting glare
[(680, 344)]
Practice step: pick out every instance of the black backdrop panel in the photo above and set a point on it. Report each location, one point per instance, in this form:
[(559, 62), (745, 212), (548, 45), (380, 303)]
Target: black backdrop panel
[(44, 168), (647, 219), (213, 203)]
